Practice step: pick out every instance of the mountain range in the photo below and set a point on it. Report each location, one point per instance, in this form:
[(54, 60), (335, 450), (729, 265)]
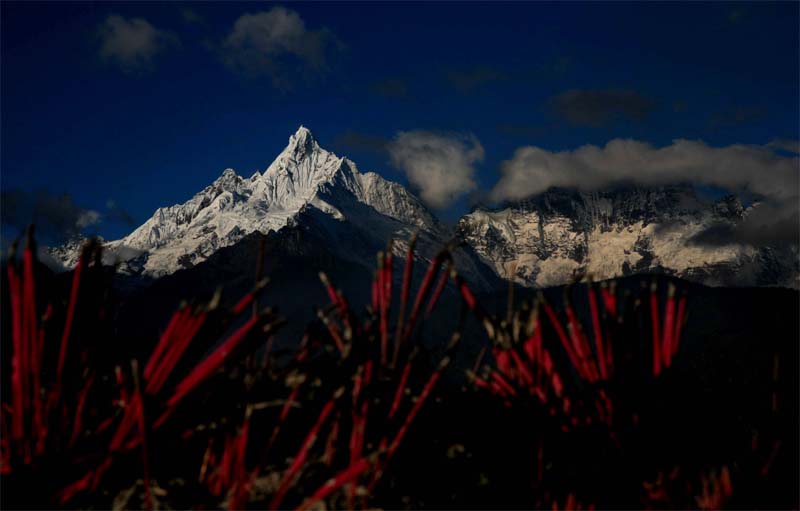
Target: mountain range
[(553, 238)]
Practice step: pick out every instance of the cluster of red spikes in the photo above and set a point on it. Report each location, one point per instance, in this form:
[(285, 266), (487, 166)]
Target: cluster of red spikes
[(347, 421)]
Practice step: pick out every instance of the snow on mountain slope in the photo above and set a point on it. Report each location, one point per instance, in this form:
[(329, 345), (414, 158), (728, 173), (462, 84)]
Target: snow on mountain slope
[(562, 235), (302, 176), (549, 239)]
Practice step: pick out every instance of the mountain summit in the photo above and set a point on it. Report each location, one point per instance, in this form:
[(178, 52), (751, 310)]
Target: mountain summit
[(302, 178), (563, 235), (549, 239)]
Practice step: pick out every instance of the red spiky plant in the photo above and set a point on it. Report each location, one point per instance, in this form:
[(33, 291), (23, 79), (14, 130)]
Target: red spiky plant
[(210, 419)]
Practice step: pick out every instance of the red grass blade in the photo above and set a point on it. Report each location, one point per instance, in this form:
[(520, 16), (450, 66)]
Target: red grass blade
[(212, 362), (680, 318), (177, 319), (73, 299), (598, 336), (562, 336), (404, 292), (426, 390), (655, 329), (302, 454), (422, 292), (438, 291), (78, 419), (17, 424), (331, 485), (669, 317), (398, 395)]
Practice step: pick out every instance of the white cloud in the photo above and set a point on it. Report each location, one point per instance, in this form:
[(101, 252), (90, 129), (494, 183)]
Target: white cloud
[(132, 43), (440, 166), (756, 169), (266, 42), (87, 218)]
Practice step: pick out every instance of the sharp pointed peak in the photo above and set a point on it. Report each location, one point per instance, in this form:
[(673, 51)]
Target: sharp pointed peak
[(227, 175), (301, 143), (302, 135)]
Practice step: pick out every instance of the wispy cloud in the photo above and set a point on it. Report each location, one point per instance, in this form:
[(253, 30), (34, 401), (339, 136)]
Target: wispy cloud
[(758, 171), (57, 217), (772, 222), (440, 166), (276, 43), (133, 43), (601, 107)]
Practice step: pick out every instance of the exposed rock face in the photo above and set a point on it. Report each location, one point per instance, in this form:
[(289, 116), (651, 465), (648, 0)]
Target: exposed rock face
[(550, 239), (305, 187), (563, 235)]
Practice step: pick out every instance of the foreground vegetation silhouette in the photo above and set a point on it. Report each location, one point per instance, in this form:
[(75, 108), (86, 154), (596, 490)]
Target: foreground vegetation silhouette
[(583, 397)]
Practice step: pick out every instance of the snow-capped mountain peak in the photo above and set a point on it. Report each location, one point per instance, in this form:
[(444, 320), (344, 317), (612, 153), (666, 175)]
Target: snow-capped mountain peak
[(549, 239), (302, 141), (562, 235), (303, 175)]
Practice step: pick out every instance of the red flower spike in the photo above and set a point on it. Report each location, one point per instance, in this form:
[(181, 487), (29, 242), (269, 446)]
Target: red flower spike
[(212, 362), (300, 458), (29, 333), (501, 357), (426, 390), (422, 292), (437, 292), (328, 287), (522, 369), (667, 337), (581, 345), (332, 330), (383, 305), (287, 406), (99, 471), (387, 277), (503, 383), (17, 424), (78, 421), (73, 299), (330, 486), (375, 299), (655, 330), (404, 292), (598, 336), (398, 395), (330, 445), (562, 336), (679, 319), (66, 494), (609, 298), (175, 319), (174, 352)]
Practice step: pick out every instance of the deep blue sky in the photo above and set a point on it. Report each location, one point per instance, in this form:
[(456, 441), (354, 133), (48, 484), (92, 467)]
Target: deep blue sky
[(74, 122)]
